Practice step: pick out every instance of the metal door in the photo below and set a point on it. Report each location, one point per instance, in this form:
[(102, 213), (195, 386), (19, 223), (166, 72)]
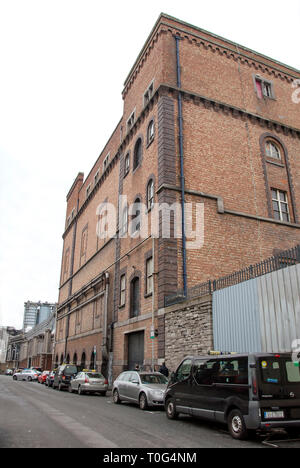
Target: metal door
[(135, 350)]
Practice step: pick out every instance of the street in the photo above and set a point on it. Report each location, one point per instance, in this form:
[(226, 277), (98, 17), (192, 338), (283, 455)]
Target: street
[(35, 416)]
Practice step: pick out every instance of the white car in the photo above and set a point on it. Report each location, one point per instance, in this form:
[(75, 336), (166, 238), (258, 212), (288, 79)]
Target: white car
[(26, 374)]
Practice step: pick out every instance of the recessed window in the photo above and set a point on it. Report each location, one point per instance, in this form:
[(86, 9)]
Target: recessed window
[(122, 290), (96, 177), (150, 132), (137, 155), (136, 218), (149, 276), (135, 297), (124, 222), (130, 121), (106, 162), (264, 88), (88, 190), (150, 194), (280, 205), (148, 94), (126, 164), (272, 150)]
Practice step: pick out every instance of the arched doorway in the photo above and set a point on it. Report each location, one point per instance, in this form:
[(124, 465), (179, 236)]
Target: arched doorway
[(93, 361), (75, 359), (83, 360)]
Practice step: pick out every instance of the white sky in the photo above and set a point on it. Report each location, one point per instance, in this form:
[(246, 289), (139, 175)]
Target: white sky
[(63, 65)]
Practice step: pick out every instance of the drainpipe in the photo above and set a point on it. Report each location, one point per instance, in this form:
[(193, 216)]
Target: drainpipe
[(182, 181), (104, 333)]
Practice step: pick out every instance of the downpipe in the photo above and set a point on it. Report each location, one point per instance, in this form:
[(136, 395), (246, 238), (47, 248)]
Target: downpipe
[(182, 180)]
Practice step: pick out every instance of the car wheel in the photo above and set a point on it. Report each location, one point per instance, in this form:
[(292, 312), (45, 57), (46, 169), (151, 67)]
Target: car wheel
[(60, 387), (171, 409), (15, 377), (80, 391), (143, 403), (70, 389), (116, 397), (29, 379), (236, 425)]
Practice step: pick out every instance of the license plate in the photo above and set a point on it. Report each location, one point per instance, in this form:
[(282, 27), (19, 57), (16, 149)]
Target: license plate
[(274, 414)]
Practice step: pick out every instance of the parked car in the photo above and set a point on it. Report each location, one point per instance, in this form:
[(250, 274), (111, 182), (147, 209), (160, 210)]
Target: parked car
[(42, 377), (89, 382), (26, 374), (49, 379), (249, 391), (63, 374), (9, 372), (144, 388)]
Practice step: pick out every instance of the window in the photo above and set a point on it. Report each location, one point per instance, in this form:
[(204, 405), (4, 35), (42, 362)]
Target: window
[(264, 88), (124, 222), (136, 218), (134, 297), (88, 190), (122, 290), (126, 164), (150, 194), (280, 205), (137, 155), (150, 132), (96, 177), (149, 276), (272, 150), (73, 213), (270, 371), (293, 371), (184, 370), (130, 121), (106, 162), (148, 94), (83, 245)]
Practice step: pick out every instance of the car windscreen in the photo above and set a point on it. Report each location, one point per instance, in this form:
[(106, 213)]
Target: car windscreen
[(153, 379), (94, 375), (70, 370)]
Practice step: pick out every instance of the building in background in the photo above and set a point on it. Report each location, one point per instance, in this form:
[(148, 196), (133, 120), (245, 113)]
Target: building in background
[(207, 122), (35, 347), (5, 334), (35, 313)]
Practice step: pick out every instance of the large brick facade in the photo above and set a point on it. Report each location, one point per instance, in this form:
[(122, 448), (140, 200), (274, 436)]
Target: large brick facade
[(225, 127)]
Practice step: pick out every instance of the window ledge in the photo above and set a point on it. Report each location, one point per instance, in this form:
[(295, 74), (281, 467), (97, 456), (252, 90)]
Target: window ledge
[(275, 162)]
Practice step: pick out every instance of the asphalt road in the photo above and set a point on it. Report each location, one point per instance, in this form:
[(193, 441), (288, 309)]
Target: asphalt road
[(35, 416)]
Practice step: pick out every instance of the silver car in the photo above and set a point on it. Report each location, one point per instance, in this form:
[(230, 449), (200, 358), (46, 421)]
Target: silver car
[(89, 382), (144, 388), (26, 374)]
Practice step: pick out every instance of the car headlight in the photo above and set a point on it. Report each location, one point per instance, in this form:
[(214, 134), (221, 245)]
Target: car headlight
[(158, 393)]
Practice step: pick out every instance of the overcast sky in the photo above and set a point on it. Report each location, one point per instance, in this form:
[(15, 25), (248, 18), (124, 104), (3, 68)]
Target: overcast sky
[(63, 65)]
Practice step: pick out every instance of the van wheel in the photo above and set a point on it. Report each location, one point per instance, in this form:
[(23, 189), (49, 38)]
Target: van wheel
[(236, 425), (143, 402), (171, 409)]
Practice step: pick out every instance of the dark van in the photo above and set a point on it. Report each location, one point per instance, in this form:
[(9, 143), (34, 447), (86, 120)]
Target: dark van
[(246, 391), (63, 375)]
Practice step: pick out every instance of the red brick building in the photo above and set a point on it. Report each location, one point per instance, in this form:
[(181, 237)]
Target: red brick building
[(205, 121)]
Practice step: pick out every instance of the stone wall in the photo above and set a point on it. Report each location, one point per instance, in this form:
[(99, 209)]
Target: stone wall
[(188, 330)]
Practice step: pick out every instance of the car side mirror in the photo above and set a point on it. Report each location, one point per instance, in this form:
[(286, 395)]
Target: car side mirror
[(172, 378), (136, 382)]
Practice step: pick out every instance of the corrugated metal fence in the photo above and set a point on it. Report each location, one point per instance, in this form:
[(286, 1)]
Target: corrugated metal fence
[(260, 315)]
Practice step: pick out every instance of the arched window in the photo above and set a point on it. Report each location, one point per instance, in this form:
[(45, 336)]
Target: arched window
[(135, 297), (124, 221), (150, 194), (272, 150), (75, 359), (137, 155), (126, 164), (83, 360), (56, 360), (136, 218), (68, 359), (93, 361), (150, 132), (61, 359)]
